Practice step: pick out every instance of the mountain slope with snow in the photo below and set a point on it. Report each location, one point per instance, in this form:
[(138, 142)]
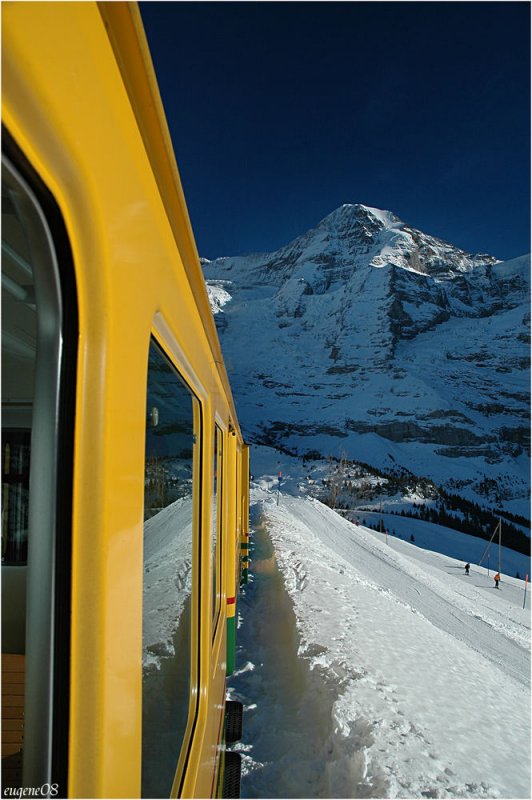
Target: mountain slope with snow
[(426, 671), (367, 336)]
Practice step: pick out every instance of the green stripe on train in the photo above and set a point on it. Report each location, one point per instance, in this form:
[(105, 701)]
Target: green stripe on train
[(231, 644)]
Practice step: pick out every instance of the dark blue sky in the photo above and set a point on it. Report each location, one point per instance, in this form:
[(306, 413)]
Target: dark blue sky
[(280, 112)]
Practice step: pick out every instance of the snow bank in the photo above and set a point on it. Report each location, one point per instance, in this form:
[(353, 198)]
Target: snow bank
[(167, 578), (431, 668)]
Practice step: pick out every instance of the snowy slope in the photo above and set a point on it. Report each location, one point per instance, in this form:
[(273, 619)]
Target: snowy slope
[(167, 578), (427, 670), (367, 336), (267, 463)]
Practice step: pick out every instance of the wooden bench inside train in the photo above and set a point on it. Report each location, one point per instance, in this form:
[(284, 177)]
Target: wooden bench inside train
[(12, 719)]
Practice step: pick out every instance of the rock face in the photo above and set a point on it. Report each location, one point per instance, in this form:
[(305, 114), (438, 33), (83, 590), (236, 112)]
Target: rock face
[(367, 336)]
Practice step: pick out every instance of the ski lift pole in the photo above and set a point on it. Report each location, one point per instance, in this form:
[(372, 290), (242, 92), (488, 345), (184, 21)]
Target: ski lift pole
[(526, 583), (500, 532), (486, 551)]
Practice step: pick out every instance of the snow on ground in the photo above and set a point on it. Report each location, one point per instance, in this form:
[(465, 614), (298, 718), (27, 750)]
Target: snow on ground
[(453, 543), (426, 670)]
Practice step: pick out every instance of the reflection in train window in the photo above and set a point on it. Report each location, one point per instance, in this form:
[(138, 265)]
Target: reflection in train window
[(171, 451)]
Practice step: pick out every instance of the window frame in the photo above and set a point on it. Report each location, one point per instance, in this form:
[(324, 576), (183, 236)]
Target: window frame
[(162, 336)]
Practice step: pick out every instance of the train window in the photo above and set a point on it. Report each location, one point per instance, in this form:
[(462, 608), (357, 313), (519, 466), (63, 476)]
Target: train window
[(38, 365), (171, 451), (217, 528)]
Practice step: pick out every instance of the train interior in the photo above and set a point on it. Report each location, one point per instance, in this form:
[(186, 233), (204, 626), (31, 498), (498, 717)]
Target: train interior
[(19, 351)]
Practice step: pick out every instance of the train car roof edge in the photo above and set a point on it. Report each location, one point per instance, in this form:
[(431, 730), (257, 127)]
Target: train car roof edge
[(126, 33)]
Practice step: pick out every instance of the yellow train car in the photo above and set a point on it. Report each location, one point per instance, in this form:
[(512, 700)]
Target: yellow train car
[(124, 471)]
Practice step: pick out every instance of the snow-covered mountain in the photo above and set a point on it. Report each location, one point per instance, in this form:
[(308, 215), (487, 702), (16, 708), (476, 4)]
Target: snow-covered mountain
[(368, 337)]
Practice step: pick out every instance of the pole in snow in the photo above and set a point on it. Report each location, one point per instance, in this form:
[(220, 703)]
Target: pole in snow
[(524, 598), (486, 551), (500, 536), (279, 486)]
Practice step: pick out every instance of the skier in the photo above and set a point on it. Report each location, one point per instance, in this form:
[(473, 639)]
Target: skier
[(466, 569), (497, 579)]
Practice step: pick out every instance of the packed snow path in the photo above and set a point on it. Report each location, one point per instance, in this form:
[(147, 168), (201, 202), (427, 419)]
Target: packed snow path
[(493, 629), (426, 670), (288, 726)]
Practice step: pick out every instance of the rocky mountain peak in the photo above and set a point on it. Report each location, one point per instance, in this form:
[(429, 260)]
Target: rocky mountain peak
[(358, 214), (357, 223), (368, 335)]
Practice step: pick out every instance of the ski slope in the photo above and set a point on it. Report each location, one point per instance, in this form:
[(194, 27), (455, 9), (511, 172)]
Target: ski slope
[(420, 580), (427, 669)]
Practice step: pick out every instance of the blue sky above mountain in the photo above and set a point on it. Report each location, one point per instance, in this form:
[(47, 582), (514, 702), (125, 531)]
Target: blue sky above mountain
[(280, 112)]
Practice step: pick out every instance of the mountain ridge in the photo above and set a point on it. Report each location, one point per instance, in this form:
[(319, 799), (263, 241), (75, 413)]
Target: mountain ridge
[(373, 337)]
